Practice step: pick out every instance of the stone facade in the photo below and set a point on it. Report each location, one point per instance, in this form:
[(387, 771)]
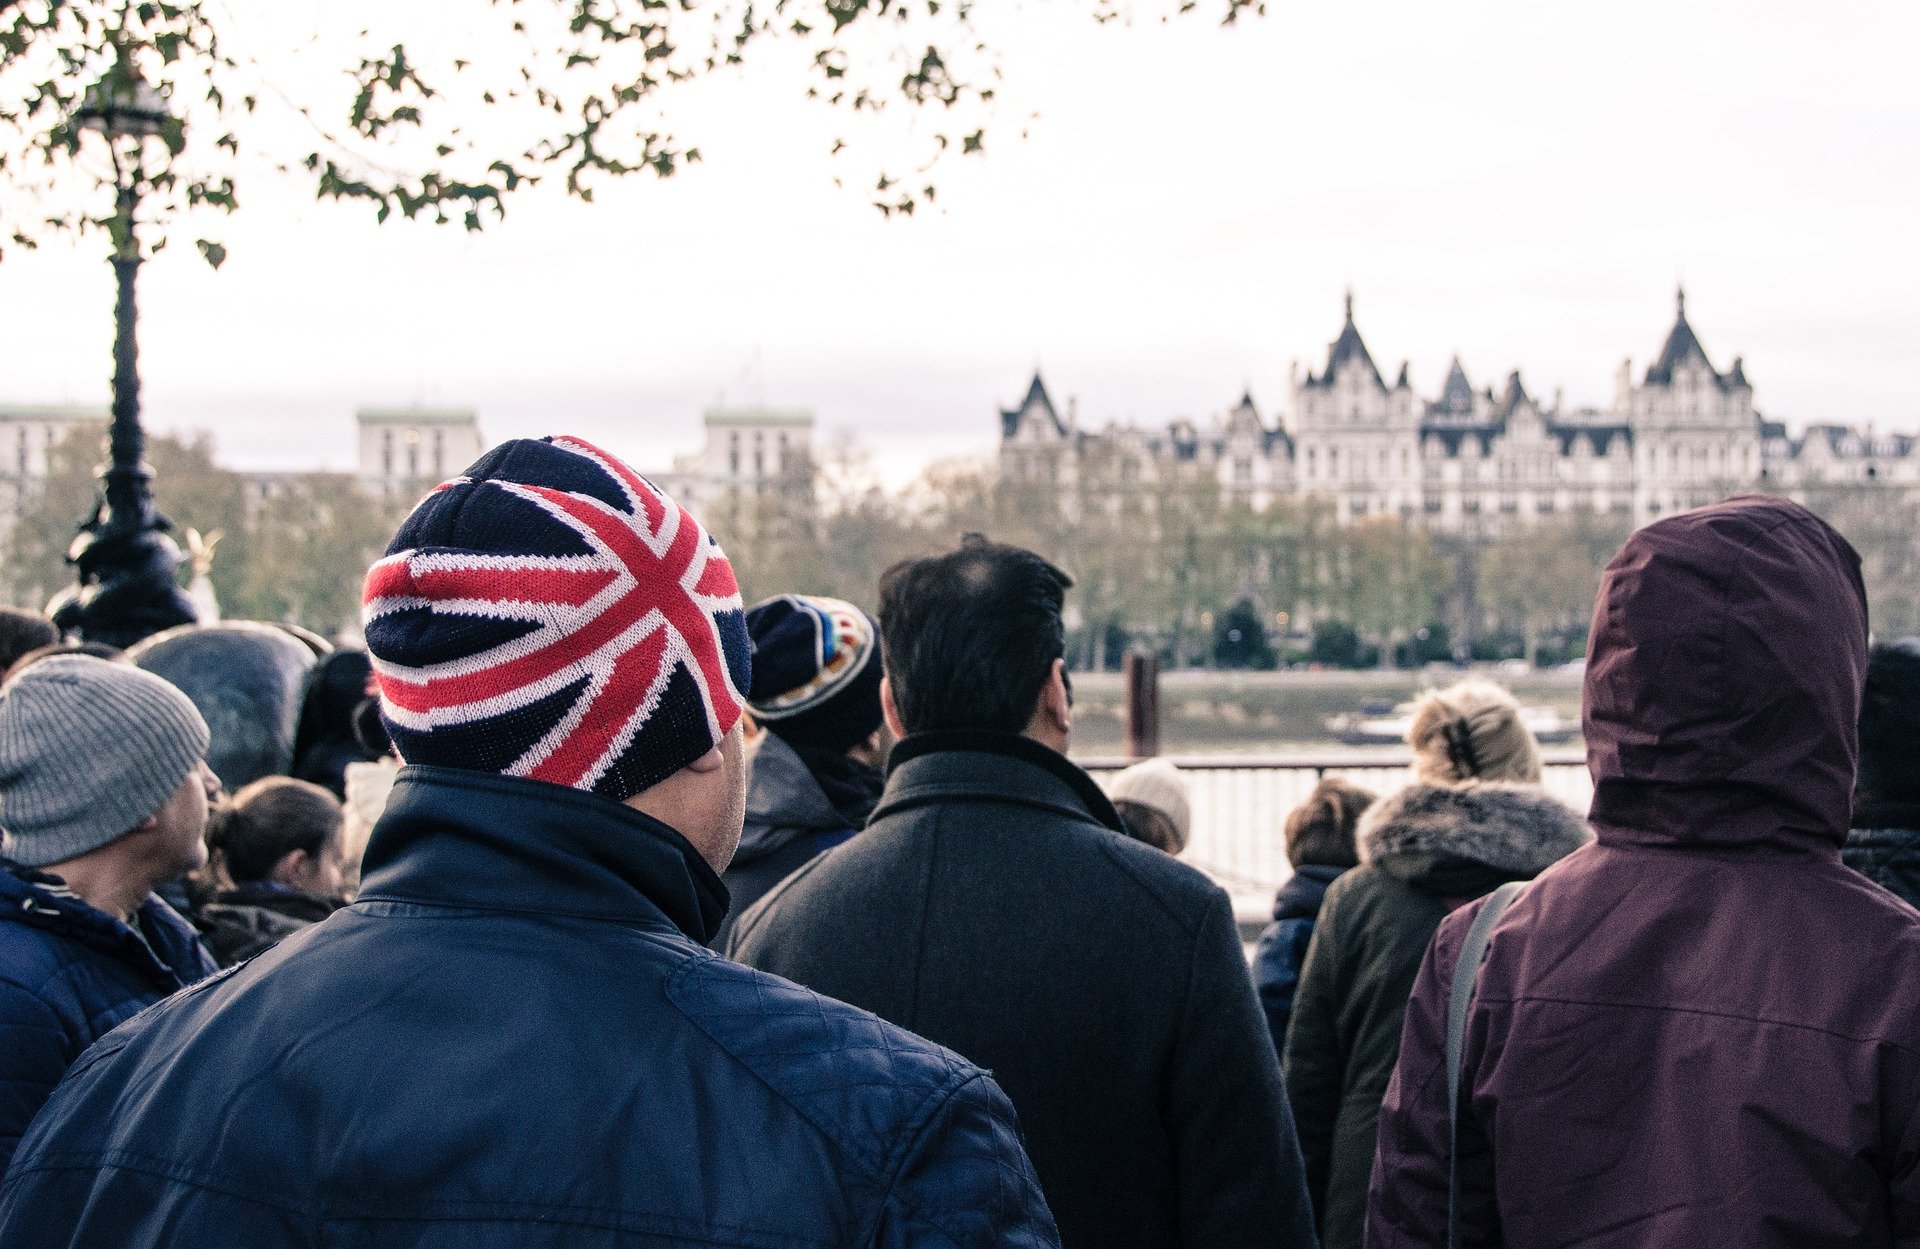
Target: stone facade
[(755, 465), (403, 448), (1685, 434)]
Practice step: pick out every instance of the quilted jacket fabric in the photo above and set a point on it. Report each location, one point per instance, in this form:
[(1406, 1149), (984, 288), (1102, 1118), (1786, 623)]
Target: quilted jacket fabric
[(68, 975), (515, 1037)]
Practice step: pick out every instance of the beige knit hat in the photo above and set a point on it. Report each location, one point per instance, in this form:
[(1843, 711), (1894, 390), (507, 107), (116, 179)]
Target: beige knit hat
[(1158, 786), (1472, 731)]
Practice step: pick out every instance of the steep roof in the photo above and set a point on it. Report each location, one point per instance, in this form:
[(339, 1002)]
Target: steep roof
[(1511, 398), (1348, 349), (1036, 401), (1682, 346)]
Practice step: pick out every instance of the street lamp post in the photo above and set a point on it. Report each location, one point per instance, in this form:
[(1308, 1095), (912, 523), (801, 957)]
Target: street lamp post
[(127, 587)]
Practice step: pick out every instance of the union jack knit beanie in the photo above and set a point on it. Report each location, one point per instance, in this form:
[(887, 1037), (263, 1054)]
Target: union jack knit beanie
[(551, 614)]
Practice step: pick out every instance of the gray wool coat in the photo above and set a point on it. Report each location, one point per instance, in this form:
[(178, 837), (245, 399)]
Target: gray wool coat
[(991, 905)]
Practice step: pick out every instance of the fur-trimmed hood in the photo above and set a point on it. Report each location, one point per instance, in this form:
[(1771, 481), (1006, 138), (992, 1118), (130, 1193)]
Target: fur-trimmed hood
[(1512, 828)]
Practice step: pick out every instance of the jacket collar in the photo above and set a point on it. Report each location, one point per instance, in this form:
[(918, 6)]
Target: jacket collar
[(168, 953), (452, 837), (967, 765), (1301, 896), (784, 801)]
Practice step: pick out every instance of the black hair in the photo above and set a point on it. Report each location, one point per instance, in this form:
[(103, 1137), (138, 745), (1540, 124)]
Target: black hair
[(20, 632), (970, 637), (1890, 724), (268, 820)]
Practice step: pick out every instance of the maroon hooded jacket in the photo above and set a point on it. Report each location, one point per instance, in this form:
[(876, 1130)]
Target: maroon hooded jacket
[(1702, 1029)]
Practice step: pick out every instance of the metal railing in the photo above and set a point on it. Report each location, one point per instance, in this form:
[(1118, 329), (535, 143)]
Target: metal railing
[(1240, 803)]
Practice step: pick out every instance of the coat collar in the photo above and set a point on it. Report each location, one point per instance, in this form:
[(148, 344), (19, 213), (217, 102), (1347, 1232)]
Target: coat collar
[(783, 800), (1301, 896), (166, 951), (476, 839), (961, 765)]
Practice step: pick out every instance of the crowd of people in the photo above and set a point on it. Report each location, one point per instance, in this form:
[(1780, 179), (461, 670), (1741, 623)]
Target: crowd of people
[(675, 921)]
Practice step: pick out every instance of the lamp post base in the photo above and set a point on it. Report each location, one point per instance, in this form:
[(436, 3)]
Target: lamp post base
[(128, 588)]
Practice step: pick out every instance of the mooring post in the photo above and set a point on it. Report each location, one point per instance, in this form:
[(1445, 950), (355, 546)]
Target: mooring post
[(1143, 704)]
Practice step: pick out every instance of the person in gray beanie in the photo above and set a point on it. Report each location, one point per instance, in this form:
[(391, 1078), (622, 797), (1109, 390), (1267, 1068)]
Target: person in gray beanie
[(103, 795)]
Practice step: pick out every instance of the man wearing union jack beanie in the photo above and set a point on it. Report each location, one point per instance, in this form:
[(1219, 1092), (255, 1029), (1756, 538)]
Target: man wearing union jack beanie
[(515, 1033)]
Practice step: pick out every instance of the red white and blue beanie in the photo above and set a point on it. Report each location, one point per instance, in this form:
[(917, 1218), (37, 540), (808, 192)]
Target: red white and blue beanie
[(816, 671), (551, 614)]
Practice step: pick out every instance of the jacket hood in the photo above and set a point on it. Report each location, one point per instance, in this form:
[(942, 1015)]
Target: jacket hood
[(1305, 890), (1724, 671), (1516, 830), (784, 801)]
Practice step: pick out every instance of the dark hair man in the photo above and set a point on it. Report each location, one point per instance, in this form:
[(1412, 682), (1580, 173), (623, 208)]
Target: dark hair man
[(1885, 842), (514, 1036), (103, 792), (1699, 1029), (20, 632), (994, 904)]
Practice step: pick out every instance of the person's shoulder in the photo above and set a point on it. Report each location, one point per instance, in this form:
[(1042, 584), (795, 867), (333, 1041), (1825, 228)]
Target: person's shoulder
[(1180, 890), (854, 1077)]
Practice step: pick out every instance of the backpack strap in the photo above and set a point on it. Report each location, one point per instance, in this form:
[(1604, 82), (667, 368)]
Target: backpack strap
[(1466, 970)]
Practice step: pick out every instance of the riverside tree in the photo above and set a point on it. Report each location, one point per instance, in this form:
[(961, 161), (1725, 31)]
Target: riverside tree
[(446, 112)]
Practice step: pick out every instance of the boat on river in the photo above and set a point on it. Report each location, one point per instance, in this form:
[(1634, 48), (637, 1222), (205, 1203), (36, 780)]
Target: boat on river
[(1376, 723)]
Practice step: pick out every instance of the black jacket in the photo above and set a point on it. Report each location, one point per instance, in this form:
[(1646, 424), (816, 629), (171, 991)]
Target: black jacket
[(1423, 851), (1282, 951), (790, 819), (514, 1037), (68, 975), (1884, 846), (252, 918), (991, 904)]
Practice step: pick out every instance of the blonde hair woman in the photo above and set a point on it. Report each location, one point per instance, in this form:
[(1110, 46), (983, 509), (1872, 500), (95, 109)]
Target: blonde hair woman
[(1474, 818)]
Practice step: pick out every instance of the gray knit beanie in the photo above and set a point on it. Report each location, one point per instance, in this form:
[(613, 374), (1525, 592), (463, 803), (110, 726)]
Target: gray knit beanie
[(88, 750)]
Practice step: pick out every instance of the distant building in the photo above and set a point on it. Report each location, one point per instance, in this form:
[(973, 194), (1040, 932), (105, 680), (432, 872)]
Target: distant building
[(400, 448), (28, 434), (752, 461), (1684, 435)]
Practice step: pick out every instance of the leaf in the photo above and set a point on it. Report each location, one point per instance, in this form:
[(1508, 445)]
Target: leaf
[(214, 254)]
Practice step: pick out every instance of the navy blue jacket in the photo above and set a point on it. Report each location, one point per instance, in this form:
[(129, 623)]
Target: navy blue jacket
[(1282, 951), (68, 975), (514, 1037)]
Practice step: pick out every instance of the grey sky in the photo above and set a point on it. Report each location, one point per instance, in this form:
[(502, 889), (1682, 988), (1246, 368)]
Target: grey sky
[(1519, 182)]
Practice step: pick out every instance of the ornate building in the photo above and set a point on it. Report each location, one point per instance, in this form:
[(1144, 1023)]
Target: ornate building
[(1684, 435)]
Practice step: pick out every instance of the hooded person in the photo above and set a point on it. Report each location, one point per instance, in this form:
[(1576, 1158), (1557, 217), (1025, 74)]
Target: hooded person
[(515, 1035), (816, 771), (1699, 1029), (1320, 847), (1474, 819), (1884, 845)]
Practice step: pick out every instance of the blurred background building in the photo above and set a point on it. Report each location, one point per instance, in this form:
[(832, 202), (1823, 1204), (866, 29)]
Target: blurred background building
[(1681, 433)]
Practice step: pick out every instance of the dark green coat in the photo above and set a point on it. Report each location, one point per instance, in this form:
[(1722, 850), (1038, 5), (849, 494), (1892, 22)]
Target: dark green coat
[(991, 906), (1424, 851)]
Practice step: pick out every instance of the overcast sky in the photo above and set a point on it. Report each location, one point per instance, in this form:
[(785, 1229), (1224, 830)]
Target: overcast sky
[(1518, 182)]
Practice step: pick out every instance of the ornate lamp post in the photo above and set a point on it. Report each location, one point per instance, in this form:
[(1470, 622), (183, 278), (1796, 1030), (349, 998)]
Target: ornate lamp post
[(127, 588)]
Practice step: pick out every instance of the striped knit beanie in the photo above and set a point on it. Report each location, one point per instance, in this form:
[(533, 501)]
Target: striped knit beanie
[(551, 614), (88, 750), (816, 671)]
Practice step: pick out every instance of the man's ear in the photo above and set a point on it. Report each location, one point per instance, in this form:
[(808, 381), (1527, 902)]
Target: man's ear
[(888, 711), (1056, 704), (712, 761)]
